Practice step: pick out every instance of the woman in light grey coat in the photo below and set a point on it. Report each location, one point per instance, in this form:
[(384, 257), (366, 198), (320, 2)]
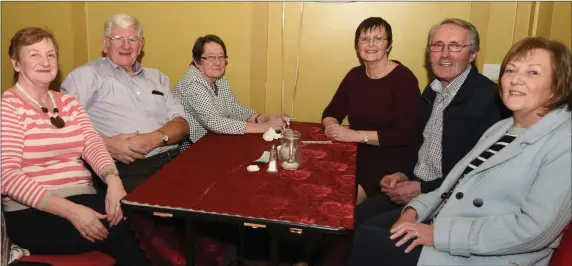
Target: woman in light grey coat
[(508, 200)]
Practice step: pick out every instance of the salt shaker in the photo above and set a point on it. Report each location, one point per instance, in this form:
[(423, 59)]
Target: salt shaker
[(272, 168)]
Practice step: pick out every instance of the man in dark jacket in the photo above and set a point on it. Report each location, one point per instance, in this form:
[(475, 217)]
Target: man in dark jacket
[(456, 109)]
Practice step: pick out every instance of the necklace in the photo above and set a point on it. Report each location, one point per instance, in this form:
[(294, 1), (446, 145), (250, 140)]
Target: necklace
[(55, 119), (382, 74)]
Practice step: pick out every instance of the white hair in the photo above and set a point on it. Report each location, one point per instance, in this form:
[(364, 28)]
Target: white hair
[(474, 34), (122, 21)]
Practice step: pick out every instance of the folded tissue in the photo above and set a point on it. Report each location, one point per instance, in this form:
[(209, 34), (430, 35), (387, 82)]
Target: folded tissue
[(271, 134), (253, 168)]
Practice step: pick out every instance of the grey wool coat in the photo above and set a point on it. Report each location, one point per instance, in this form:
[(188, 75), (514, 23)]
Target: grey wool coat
[(513, 207)]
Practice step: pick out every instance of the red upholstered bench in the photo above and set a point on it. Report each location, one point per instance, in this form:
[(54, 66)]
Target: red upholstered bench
[(94, 258), (563, 254)]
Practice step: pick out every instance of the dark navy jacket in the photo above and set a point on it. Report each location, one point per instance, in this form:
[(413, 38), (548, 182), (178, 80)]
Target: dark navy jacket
[(476, 106)]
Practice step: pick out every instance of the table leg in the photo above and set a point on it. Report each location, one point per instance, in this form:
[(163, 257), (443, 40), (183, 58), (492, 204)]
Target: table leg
[(240, 241), (190, 242), (274, 259)]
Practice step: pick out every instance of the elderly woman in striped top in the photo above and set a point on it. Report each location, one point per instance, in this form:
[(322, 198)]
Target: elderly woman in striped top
[(50, 204)]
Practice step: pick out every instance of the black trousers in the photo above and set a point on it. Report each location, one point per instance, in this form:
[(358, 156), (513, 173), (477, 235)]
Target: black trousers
[(372, 247), (44, 233), (137, 172), (378, 210)]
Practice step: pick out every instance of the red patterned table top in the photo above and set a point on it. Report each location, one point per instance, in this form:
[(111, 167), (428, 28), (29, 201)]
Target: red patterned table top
[(211, 177)]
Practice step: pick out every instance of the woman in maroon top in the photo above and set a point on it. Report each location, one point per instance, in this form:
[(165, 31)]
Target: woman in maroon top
[(381, 100)]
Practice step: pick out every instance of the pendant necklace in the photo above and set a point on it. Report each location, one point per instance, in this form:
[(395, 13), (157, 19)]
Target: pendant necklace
[(55, 119)]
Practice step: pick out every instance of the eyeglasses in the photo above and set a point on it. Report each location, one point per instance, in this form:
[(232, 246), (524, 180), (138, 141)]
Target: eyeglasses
[(212, 58), (453, 47), (121, 40), (376, 40)]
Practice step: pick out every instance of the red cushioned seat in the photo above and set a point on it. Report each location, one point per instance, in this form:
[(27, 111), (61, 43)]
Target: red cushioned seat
[(563, 254), (94, 258)]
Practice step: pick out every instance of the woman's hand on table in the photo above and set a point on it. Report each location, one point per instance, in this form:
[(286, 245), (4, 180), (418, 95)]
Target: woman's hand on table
[(115, 192), (342, 133), (275, 122), (264, 118)]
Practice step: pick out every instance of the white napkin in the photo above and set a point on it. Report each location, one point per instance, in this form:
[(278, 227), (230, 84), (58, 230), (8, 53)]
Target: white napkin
[(253, 168), (271, 135)]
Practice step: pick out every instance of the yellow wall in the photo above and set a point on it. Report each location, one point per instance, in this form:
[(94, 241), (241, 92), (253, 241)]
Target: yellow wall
[(327, 49), (57, 16), (561, 23), (253, 34), (171, 28)]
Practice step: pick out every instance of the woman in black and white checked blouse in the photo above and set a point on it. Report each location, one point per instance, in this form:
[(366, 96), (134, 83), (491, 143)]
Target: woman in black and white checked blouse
[(208, 100)]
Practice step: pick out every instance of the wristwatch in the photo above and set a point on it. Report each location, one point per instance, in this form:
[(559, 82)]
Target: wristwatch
[(366, 139), (164, 137)]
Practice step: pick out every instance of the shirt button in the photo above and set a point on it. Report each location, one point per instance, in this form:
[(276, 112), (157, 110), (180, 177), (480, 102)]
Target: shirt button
[(138, 93), (478, 202), (444, 195), (459, 195)]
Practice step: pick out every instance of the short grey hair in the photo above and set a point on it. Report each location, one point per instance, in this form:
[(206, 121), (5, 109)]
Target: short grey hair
[(122, 21), (474, 34)]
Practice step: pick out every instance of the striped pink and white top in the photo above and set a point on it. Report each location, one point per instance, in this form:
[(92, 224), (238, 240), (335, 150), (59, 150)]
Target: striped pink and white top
[(39, 159)]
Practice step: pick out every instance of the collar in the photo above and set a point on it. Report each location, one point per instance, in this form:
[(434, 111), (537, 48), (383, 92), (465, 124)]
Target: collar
[(197, 76), (454, 86), (464, 91), (137, 68), (545, 125)]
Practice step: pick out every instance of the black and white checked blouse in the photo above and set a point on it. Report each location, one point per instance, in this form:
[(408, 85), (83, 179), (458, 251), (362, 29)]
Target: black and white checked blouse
[(210, 109)]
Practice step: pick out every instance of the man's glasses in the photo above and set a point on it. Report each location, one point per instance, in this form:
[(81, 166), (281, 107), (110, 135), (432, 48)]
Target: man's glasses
[(376, 39), (453, 47), (212, 58), (121, 40)]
